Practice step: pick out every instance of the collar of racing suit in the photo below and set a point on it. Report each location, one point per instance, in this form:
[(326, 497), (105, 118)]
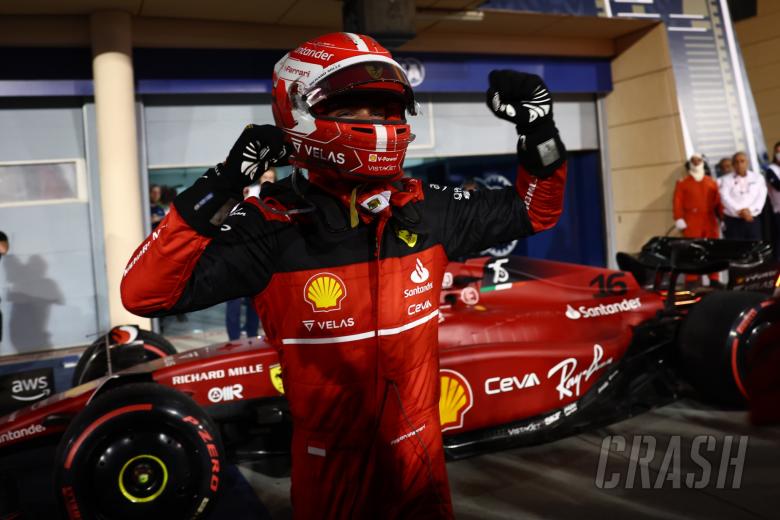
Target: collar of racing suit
[(331, 221), (366, 202)]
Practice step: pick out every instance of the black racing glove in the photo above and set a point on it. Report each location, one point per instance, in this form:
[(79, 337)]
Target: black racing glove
[(257, 149), (207, 203), (523, 99)]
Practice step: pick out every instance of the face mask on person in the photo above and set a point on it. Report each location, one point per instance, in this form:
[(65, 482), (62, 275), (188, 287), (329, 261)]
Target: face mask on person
[(777, 157), (697, 172)]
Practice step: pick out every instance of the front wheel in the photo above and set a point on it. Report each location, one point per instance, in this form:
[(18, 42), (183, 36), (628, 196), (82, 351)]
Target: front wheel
[(129, 346), (139, 451)]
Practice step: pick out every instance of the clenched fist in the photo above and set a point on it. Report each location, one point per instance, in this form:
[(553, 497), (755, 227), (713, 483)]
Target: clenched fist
[(520, 98), (257, 149), (523, 99)]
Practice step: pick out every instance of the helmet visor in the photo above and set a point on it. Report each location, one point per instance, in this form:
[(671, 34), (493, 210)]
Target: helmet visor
[(367, 76)]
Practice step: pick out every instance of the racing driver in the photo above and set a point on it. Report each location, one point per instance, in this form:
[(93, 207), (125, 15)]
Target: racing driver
[(345, 267)]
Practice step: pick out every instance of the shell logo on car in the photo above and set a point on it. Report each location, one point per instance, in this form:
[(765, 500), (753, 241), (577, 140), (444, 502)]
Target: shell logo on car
[(324, 292), (455, 400), (275, 372)]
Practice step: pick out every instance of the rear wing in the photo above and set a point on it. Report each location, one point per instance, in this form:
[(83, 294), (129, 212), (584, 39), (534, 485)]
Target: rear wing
[(750, 264)]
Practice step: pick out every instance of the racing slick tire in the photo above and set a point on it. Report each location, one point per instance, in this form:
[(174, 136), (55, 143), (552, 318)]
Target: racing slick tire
[(713, 355), (126, 351), (9, 505), (139, 451)]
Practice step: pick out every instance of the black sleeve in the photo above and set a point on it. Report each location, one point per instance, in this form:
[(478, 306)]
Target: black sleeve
[(467, 222), (238, 262)]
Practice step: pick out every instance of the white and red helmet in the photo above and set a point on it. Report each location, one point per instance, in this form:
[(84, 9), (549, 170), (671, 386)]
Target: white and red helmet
[(310, 80)]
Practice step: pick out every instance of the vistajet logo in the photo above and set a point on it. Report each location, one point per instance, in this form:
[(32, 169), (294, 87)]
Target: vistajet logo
[(583, 311)]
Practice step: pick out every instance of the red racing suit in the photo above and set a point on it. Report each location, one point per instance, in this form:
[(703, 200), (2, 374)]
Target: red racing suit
[(698, 203), (353, 313)]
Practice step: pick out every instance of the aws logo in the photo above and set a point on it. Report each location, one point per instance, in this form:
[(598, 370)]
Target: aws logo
[(325, 292), (455, 400), (28, 386)]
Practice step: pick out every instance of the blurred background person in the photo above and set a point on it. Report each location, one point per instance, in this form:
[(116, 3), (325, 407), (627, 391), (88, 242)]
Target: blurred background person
[(697, 206), (267, 176), (724, 167), (697, 161), (166, 199), (156, 209), (470, 185), (743, 194), (773, 187)]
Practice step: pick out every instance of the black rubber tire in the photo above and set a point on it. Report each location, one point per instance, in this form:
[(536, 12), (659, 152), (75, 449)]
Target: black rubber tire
[(127, 431), (92, 363), (705, 345), (9, 503)]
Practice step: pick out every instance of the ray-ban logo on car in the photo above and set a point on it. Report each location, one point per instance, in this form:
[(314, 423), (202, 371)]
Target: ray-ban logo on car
[(420, 273)]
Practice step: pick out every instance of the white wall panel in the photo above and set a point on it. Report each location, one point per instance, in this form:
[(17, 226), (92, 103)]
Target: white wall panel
[(450, 125), (187, 135), (47, 281)]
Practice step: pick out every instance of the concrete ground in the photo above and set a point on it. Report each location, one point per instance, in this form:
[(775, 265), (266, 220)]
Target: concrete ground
[(559, 479)]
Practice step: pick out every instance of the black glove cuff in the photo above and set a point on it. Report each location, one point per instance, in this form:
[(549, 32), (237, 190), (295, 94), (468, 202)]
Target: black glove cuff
[(541, 150), (206, 204)]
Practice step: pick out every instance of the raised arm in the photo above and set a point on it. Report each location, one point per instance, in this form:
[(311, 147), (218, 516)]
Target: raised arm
[(208, 249), (472, 221)]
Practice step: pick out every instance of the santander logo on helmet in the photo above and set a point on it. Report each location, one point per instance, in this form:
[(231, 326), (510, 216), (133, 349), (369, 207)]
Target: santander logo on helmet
[(344, 68)]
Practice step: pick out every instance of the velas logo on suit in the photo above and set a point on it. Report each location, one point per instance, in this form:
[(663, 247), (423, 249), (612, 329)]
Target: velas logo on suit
[(325, 292)]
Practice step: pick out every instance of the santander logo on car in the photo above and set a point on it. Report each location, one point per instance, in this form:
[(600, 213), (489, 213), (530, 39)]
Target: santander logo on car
[(603, 309)]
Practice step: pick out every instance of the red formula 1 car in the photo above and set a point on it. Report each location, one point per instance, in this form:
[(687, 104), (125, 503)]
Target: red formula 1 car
[(530, 350)]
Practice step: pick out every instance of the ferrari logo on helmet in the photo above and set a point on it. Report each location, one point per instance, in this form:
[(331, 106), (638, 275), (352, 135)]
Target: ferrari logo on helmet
[(455, 400), (275, 372), (408, 237), (324, 292), (375, 71)]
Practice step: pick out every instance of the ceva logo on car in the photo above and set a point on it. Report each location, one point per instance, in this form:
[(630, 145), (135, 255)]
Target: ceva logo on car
[(602, 309)]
